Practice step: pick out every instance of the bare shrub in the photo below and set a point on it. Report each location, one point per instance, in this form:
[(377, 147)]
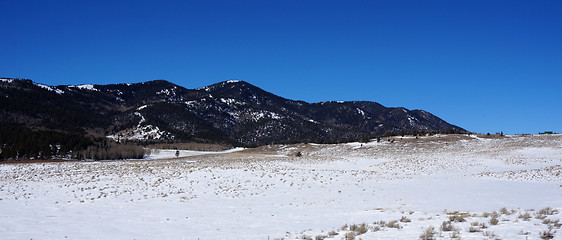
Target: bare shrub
[(504, 211), (350, 236), (361, 229), (489, 234), (393, 224), (455, 234), (548, 211), (332, 233), (428, 234), (540, 216), (404, 219), (555, 223), (320, 237), (457, 218), (494, 221), (525, 216), (446, 226), (473, 229), (483, 226), (547, 234)]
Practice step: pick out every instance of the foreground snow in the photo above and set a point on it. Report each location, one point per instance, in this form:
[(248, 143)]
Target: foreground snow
[(268, 193)]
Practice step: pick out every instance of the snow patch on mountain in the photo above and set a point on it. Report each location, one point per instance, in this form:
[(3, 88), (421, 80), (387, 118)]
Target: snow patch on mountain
[(411, 119), (228, 101), (256, 116), (146, 132), (87, 87), (167, 92), (360, 112), (232, 102), (141, 116), (141, 132), (58, 91)]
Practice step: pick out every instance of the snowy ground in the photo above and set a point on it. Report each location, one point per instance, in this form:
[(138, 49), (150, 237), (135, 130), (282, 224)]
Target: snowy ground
[(158, 154), (269, 193)]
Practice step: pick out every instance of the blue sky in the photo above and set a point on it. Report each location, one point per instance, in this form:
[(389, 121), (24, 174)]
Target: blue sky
[(487, 66)]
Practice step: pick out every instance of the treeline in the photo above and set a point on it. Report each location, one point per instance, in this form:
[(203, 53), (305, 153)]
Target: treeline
[(107, 150), (19, 142), (22, 142)]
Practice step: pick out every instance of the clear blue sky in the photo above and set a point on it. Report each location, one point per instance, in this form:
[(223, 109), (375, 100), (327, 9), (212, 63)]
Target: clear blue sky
[(487, 66)]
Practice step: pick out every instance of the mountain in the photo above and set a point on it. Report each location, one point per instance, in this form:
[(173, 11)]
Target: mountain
[(230, 112)]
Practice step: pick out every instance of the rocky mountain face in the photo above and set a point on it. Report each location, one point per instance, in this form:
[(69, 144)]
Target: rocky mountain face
[(232, 112)]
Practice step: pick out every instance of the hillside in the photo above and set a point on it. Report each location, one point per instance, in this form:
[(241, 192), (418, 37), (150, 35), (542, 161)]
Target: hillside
[(230, 112)]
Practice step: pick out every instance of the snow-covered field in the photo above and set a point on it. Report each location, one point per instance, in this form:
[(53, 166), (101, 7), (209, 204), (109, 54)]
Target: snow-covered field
[(466, 186), (157, 154)]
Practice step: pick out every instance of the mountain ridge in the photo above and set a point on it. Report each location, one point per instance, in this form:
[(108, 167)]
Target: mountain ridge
[(228, 112)]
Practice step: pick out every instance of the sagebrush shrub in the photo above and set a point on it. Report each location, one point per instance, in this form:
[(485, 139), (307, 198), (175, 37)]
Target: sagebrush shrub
[(473, 229), (361, 229), (428, 233), (548, 211), (504, 211), (446, 226), (525, 216), (405, 219), (457, 218), (455, 234), (483, 226), (350, 236), (393, 224), (547, 234), (320, 237)]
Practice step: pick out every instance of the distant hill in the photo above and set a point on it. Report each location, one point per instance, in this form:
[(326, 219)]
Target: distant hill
[(230, 112)]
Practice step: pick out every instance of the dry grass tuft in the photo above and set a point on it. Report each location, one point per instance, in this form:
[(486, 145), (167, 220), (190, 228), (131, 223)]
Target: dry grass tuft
[(446, 226), (494, 221), (428, 234)]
